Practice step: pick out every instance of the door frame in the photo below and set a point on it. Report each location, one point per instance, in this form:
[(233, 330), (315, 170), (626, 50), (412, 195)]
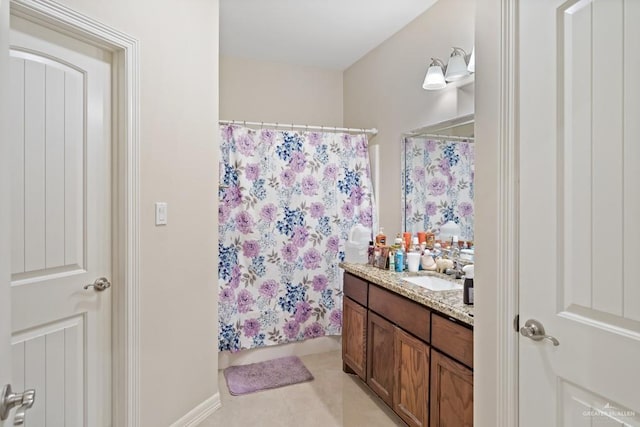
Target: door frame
[(125, 188), (497, 213)]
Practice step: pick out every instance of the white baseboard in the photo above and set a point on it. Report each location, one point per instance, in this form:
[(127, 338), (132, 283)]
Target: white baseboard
[(200, 412)]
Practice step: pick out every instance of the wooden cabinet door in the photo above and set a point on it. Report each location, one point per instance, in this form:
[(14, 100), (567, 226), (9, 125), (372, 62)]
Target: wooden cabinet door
[(380, 357), (354, 337), (411, 391), (451, 392)]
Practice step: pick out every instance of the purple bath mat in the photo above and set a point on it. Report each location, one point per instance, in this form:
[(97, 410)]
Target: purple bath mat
[(245, 379)]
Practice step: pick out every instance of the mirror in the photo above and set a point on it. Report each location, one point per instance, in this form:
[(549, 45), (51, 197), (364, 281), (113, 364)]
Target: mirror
[(437, 176)]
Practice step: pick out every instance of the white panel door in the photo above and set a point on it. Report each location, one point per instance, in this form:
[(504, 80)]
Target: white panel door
[(5, 250), (60, 132), (580, 211)]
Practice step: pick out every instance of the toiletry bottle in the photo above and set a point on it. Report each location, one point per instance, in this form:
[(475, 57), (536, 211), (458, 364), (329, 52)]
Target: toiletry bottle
[(392, 263), (397, 243), (415, 245), (407, 241), (370, 253), (395, 248), (467, 291), (431, 239), (381, 239), (399, 260), (415, 248)]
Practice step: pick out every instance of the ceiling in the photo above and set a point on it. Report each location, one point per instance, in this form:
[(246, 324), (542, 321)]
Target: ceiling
[(321, 33)]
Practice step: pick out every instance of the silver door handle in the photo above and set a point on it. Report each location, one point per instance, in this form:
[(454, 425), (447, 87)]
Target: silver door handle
[(10, 400), (99, 285), (28, 398), (534, 330)]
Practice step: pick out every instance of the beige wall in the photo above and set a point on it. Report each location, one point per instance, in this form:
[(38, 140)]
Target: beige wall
[(384, 90), (262, 91), (178, 113)]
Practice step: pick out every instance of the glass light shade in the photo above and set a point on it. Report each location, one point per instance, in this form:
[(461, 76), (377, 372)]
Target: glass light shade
[(457, 66), (434, 79), (472, 61)]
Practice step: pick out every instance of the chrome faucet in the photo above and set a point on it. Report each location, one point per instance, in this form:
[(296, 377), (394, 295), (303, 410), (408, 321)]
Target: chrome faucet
[(453, 253), (456, 271)]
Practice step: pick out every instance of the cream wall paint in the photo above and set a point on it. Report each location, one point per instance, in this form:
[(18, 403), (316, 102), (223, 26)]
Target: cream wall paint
[(178, 115), (263, 91), (384, 90)]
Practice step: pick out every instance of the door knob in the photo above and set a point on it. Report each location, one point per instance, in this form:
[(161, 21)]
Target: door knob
[(28, 398), (10, 400), (99, 285), (534, 330)]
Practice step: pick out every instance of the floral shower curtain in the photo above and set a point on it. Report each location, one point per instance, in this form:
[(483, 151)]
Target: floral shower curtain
[(287, 203), (437, 184)]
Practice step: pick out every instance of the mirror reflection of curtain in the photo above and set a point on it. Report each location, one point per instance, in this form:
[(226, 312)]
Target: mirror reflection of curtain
[(287, 204), (438, 184)]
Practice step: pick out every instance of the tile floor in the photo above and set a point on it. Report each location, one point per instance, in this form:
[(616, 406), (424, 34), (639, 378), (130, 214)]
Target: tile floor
[(333, 398)]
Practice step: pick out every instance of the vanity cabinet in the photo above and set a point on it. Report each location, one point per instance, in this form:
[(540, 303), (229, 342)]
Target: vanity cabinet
[(354, 326), (451, 374), (451, 392), (398, 370), (380, 356), (354, 335), (418, 362), (411, 392)]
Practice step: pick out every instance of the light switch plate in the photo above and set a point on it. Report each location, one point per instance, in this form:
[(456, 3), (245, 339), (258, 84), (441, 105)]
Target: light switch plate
[(161, 213)]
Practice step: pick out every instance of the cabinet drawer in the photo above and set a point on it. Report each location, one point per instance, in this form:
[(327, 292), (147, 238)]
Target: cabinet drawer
[(452, 339), (408, 315), (355, 288)]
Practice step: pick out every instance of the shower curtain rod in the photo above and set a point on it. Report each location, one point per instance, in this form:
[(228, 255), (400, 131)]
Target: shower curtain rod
[(285, 126), (441, 137)]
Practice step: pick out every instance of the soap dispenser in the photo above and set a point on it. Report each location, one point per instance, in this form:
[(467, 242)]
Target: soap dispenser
[(467, 291)]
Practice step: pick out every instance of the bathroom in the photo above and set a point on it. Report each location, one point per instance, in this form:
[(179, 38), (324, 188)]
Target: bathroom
[(382, 89), (442, 375), (112, 294)]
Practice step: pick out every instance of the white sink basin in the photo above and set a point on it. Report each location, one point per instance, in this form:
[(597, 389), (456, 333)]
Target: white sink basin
[(433, 283)]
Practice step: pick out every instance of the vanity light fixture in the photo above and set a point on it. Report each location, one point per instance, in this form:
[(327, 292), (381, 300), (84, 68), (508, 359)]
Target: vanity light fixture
[(439, 74), (457, 65), (434, 80)]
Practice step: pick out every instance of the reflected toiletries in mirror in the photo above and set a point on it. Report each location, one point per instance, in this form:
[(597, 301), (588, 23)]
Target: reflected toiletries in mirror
[(437, 177)]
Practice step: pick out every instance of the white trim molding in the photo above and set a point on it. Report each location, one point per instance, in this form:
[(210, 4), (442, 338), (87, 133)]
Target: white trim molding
[(126, 229), (198, 414), (508, 220), (497, 214)]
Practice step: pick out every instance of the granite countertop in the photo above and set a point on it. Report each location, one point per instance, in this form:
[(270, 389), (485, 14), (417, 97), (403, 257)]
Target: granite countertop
[(447, 302)]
